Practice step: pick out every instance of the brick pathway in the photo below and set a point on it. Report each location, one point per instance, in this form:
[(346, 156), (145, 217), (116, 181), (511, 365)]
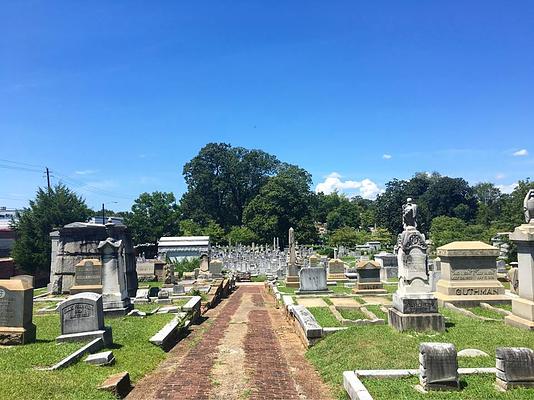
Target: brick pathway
[(245, 331)]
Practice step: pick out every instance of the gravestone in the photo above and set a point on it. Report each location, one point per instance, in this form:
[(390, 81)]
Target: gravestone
[(204, 263), (82, 319), (314, 260), (292, 275), (87, 277), (336, 270), (16, 308), (142, 296), (146, 271), (312, 280), (178, 289), (523, 236), (114, 290), (388, 265), (515, 367), (215, 268), (438, 366), (414, 305), (368, 279), (469, 275)]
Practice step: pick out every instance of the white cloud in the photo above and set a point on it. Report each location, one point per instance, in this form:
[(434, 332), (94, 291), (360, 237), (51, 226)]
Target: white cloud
[(507, 188), (366, 187), (521, 153), (86, 172), (500, 175), (387, 156)]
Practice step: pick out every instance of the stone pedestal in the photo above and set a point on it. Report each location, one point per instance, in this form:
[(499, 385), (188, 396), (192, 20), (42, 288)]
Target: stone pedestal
[(515, 367), (215, 268), (523, 307), (16, 308), (469, 275), (414, 305)]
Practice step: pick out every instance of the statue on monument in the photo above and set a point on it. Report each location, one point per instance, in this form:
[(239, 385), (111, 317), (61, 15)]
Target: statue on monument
[(528, 206), (409, 214)]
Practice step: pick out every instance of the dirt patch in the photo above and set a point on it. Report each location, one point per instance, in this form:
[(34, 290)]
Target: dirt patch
[(311, 302)]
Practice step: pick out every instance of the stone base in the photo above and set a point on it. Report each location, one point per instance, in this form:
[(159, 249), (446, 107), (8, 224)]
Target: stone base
[(368, 288), (313, 292), (86, 288), (471, 301), (118, 312), (511, 385), (416, 322), (518, 322), (293, 281), (105, 335), (13, 336), (337, 277)]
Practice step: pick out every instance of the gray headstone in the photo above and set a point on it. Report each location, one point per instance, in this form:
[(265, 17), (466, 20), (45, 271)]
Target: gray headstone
[(515, 365), (88, 273), (438, 366), (83, 312), (312, 279), (16, 302)]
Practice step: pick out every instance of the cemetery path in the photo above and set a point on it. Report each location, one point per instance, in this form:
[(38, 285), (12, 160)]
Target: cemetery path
[(246, 349)]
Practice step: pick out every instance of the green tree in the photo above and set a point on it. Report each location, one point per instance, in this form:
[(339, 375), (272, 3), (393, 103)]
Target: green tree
[(188, 227), (447, 229), (153, 215), (48, 211), (348, 236), (215, 232), (241, 235), (382, 235), (222, 180), (389, 205), (512, 213), (283, 202)]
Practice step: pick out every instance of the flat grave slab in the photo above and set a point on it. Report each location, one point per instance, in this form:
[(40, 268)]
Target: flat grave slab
[(344, 302), (377, 300), (311, 302)]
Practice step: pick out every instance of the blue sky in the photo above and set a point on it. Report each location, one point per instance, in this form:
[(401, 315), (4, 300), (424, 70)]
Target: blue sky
[(114, 97)]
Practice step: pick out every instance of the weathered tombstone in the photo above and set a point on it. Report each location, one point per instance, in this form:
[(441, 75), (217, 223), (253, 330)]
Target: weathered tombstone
[(153, 291), (523, 236), (114, 291), (87, 277), (336, 270), (16, 308), (215, 268), (146, 270), (515, 367), (314, 260), (469, 274), (312, 280), (369, 279), (388, 265), (513, 278), (414, 305), (159, 270), (438, 366), (164, 297), (204, 263), (178, 289), (82, 319), (142, 296)]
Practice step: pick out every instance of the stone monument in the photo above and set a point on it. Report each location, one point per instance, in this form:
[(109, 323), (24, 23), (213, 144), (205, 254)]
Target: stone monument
[(469, 275), (414, 305), (438, 366), (312, 280), (292, 277), (336, 270), (368, 279), (215, 268), (16, 310), (82, 319), (88, 276), (114, 291), (523, 236)]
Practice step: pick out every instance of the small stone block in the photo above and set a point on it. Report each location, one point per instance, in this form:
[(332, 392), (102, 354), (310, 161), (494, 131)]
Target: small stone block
[(515, 365), (104, 358), (119, 384), (438, 366)]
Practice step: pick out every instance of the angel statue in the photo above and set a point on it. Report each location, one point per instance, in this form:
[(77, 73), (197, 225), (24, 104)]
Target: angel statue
[(528, 206)]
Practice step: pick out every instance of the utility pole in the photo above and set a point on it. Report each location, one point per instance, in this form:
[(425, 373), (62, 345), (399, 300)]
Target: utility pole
[(103, 216), (48, 179)]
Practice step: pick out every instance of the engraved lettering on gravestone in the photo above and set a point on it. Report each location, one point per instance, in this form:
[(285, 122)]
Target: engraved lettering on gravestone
[(473, 274), (80, 310)]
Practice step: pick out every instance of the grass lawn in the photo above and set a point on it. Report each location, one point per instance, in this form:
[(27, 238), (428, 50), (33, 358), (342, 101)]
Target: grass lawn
[(352, 313), (38, 291), (259, 278), (324, 316), (132, 350), (377, 311), (483, 312), (381, 347)]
